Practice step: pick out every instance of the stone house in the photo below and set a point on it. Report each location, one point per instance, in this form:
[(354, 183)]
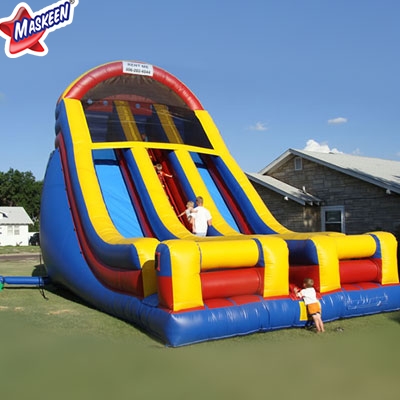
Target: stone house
[(313, 191), (14, 226)]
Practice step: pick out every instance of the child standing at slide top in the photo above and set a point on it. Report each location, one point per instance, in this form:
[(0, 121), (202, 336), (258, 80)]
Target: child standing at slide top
[(309, 296)]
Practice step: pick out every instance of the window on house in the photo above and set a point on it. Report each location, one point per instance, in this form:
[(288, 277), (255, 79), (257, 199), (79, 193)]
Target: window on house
[(13, 230), (298, 163), (332, 219)]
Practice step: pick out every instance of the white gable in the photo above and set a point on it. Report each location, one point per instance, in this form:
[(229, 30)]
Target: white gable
[(14, 216), (14, 226)]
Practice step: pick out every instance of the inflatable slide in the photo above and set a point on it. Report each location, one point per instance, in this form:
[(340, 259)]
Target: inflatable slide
[(133, 145)]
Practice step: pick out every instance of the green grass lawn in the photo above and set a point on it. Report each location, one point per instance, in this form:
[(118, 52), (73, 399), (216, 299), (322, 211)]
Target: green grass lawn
[(55, 346), (19, 249)]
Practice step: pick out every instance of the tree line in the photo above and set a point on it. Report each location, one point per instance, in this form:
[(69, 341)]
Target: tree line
[(20, 189)]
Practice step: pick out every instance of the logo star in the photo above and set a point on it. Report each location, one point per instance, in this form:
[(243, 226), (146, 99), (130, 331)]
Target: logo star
[(30, 44)]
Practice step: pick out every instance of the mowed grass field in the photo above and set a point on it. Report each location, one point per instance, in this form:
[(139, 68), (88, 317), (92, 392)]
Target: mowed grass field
[(54, 346)]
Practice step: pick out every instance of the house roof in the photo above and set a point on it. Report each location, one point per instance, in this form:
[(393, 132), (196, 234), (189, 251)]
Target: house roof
[(376, 171), (287, 191), (14, 216)]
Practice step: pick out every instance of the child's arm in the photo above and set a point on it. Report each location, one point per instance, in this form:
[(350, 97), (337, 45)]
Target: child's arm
[(182, 213), (297, 292)]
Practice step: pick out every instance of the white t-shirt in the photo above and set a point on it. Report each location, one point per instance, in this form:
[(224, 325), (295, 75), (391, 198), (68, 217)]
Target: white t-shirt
[(309, 295), (200, 218)]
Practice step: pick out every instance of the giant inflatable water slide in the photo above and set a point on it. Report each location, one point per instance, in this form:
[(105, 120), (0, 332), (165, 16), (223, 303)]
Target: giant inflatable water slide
[(111, 232)]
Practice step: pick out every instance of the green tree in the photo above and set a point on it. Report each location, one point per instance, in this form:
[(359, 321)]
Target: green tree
[(20, 189)]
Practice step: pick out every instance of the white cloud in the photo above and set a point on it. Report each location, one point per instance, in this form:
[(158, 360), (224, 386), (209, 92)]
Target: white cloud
[(313, 145), (2, 96), (337, 121), (259, 126)]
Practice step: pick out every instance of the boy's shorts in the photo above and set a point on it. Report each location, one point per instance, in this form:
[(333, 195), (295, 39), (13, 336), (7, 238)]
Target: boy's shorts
[(314, 308)]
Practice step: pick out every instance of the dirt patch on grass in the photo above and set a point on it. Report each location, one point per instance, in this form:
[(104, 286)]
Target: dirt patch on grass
[(59, 312)]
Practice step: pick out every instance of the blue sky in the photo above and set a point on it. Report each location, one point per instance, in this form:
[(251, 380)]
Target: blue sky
[(319, 74)]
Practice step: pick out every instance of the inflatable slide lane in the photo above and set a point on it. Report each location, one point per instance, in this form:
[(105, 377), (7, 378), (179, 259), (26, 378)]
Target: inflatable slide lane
[(133, 145)]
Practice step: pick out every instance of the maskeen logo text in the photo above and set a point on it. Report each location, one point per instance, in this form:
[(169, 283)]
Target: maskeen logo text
[(25, 31)]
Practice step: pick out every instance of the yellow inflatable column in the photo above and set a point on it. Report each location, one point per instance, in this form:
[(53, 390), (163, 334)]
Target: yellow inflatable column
[(275, 254), (329, 275), (388, 248), (178, 274)]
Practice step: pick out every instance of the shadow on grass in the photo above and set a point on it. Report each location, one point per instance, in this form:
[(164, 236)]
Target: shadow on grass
[(39, 270), (395, 316), (65, 293)]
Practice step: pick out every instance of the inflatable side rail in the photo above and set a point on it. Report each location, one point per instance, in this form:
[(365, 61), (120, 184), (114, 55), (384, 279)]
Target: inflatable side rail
[(195, 274), (191, 273), (333, 261)]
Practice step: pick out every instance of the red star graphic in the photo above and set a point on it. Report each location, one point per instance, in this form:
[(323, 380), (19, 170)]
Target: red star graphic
[(30, 43)]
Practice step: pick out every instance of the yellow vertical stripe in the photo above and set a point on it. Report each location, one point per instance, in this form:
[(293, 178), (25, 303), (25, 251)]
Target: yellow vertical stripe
[(303, 311), (127, 120), (168, 124)]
